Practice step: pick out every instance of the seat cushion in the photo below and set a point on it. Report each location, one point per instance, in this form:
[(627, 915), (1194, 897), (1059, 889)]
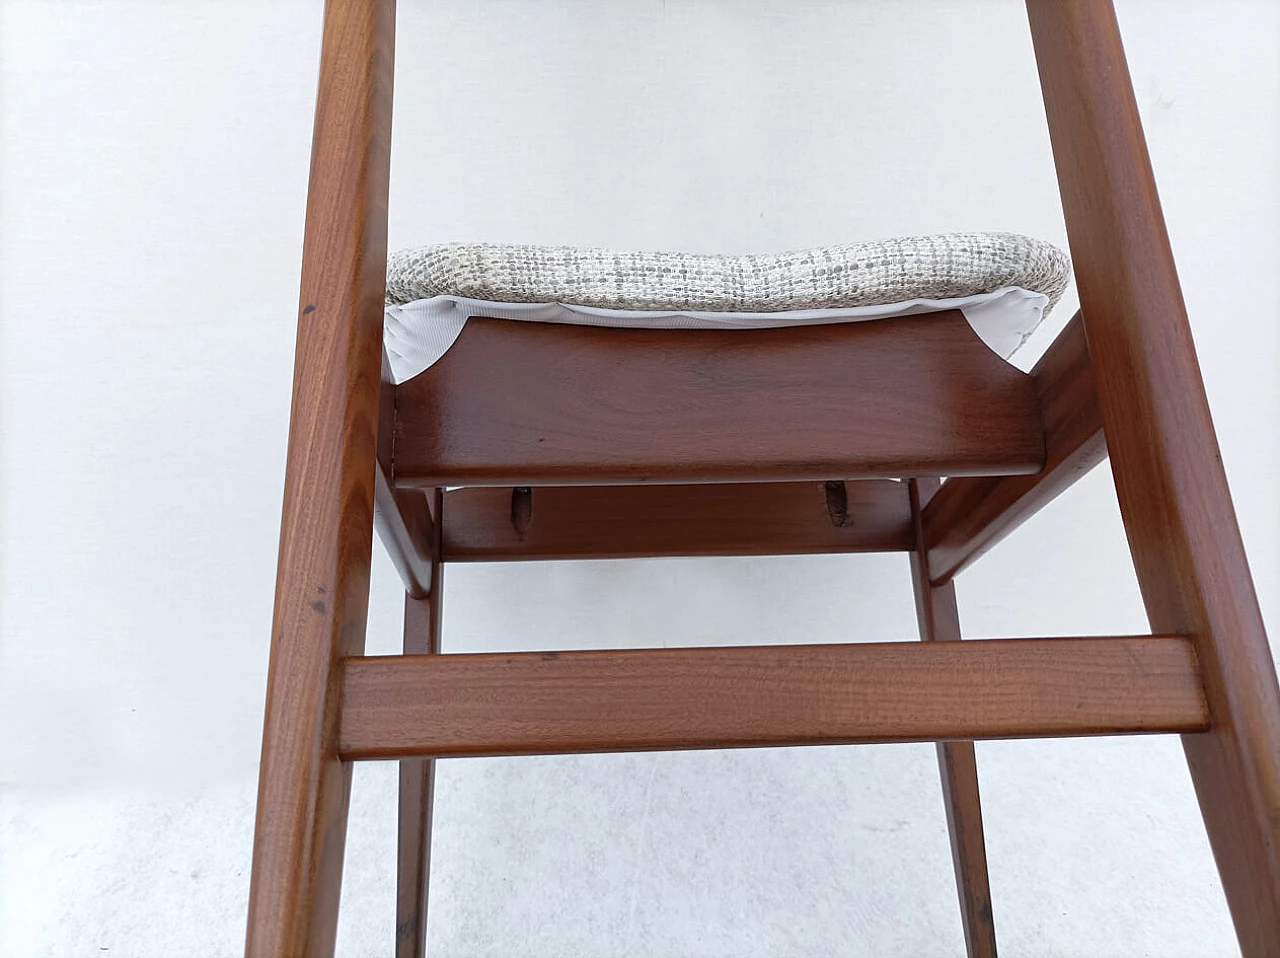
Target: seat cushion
[(827, 277), (1003, 283)]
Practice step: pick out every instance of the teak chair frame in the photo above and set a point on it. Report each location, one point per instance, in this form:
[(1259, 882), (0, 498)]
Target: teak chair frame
[(577, 478)]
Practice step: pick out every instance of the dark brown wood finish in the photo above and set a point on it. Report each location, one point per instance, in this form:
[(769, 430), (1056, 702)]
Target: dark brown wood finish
[(615, 522), (939, 620), (969, 515), (422, 620), (327, 526), (1169, 479), (599, 701), (517, 404)]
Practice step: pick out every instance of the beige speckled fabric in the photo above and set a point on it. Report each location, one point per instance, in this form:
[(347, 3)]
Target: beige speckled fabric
[(857, 274)]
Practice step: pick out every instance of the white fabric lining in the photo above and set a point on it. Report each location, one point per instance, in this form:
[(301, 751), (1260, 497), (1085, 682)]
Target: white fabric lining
[(417, 334)]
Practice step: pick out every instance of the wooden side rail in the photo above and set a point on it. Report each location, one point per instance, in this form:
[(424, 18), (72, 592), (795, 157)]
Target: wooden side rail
[(969, 515), (615, 522), (597, 701), (516, 404)]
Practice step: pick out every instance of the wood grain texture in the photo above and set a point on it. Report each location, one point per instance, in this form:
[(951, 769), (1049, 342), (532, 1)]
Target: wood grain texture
[(600, 701), (939, 620), (615, 522), (422, 621), (1169, 479), (401, 517), (327, 526), (517, 404), (969, 515), (405, 529)]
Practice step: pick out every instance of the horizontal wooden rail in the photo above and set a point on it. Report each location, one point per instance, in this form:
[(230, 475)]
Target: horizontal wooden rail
[(600, 701), (527, 404), (617, 522)]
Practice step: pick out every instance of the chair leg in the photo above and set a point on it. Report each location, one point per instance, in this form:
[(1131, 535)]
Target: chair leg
[(1170, 483), (958, 765), (417, 778), (417, 792), (326, 529), (940, 622)]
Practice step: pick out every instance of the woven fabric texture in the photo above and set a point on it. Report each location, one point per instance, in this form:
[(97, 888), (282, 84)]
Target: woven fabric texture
[(828, 277)]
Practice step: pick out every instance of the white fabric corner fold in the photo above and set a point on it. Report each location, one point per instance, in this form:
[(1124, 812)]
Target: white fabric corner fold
[(417, 334)]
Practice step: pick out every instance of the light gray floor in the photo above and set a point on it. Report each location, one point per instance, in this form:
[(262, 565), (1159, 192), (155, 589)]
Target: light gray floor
[(153, 162), (821, 852)]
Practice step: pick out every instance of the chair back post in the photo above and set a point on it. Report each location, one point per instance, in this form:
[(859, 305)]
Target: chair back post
[(1169, 478), (322, 583)]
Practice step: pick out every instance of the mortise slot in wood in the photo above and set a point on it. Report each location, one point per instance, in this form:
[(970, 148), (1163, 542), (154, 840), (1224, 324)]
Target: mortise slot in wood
[(837, 502), (521, 509)]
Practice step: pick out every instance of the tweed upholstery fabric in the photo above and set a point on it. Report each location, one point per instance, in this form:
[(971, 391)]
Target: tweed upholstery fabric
[(860, 274)]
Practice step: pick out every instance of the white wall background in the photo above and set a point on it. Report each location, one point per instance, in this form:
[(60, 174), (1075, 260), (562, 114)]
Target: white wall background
[(153, 161)]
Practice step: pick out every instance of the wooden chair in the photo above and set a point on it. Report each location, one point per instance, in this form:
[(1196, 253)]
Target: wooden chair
[(854, 408)]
